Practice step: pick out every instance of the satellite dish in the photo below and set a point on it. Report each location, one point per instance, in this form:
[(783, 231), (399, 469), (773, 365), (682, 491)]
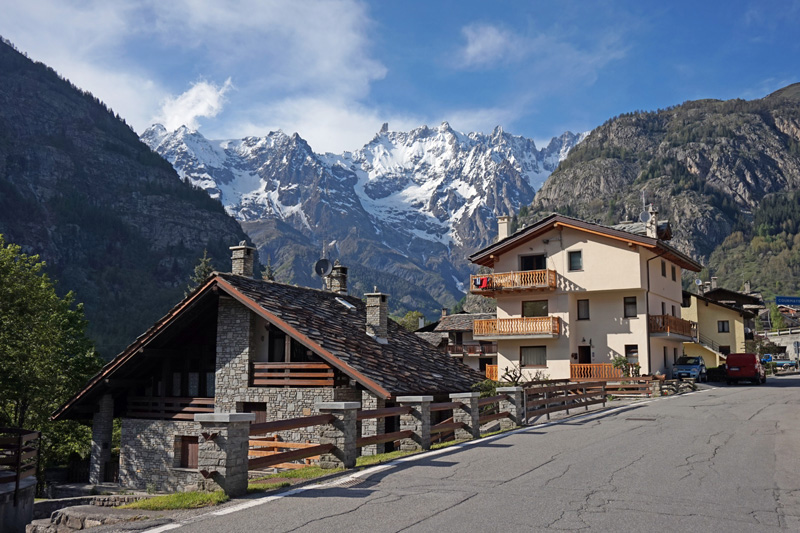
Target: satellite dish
[(644, 216), (323, 267), (698, 282)]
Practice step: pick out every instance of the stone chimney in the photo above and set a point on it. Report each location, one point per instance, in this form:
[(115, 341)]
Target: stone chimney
[(651, 226), (336, 281), (713, 282), (747, 287), (444, 312), (377, 316), (503, 225), (242, 257), (706, 287)]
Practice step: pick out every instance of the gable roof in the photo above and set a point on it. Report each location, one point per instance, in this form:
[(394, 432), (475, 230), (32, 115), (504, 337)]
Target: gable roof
[(333, 330), (461, 321), (726, 295), (485, 256), (743, 312)]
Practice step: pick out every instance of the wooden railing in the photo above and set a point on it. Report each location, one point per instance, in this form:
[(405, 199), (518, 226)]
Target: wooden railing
[(168, 408), (18, 456), (672, 324), (305, 452), (270, 446), (543, 400), (513, 281), (473, 348), (291, 375), (545, 325), (491, 372)]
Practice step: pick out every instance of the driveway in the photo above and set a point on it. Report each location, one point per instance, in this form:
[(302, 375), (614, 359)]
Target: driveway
[(721, 459)]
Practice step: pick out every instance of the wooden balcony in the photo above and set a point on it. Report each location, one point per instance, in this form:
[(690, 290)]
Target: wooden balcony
[(472, 349), (529, 280), (491, 372), (592, 372), (672, 326), (545, 327), (167, 408), (291, 375)]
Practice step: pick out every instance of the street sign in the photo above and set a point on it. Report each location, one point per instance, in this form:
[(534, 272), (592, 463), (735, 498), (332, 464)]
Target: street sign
[(787, 300)]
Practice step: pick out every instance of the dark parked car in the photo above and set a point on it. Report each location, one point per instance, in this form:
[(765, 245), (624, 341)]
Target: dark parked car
[(690, 367), (745, 366)]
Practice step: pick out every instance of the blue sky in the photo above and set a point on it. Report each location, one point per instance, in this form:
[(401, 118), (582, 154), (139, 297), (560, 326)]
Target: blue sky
[(335, 70)]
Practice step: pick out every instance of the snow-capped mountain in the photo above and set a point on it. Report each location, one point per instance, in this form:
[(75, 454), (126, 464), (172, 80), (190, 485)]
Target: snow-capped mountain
[(408, 205)]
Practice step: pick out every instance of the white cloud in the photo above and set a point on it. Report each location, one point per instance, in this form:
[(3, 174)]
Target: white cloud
[(203, 99), (489, 45)]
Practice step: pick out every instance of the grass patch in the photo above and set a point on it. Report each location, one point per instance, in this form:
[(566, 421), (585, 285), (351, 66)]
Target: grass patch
[(263, 487), (440, 445), (369, 460), (179, 500), (309, 472)]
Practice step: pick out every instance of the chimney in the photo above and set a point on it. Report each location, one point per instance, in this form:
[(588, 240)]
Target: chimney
[(747, 287), (336, 281), (706, 287), (444, 312), (503, 225), (651, 226), (377, 316), (242, 259), (713, 282), (421, 323)]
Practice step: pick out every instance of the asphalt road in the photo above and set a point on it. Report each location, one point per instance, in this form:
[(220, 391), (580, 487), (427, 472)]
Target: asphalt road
[(721, 459)]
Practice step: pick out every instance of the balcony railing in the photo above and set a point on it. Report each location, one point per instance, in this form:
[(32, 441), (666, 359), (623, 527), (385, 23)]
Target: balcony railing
[(292, 375), (513, 281), (491, 372), (672, 325), (472, 349), (545, 326)]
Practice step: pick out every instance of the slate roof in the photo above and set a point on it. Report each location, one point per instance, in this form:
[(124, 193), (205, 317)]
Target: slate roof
[(663, 229), (461, 321), (405, 365), (334, 331)]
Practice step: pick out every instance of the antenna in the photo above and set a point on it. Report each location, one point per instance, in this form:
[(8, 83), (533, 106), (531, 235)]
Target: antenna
[(644, 216), (698, 282)]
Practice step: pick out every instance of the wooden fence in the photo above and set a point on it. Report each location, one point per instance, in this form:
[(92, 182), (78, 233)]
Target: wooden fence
[(292, 375), (168, 408), (18, 456), (542, 399)]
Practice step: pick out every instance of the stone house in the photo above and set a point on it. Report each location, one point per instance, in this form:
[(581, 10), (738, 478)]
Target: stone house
[(454, 332), (573, 295), (237, 345)]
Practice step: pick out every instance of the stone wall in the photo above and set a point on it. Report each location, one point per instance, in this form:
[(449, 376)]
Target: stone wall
[(102, 428), (147, 456)]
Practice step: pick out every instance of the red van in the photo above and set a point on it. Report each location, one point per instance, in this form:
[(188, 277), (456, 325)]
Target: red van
[(745, 366)]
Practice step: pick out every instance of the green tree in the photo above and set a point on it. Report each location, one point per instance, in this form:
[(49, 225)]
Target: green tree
[(202, 270), (411, 320), (45, 355), (776, 318)]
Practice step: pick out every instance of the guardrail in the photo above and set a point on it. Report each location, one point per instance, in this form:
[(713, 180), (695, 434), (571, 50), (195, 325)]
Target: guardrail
[(18, 456)]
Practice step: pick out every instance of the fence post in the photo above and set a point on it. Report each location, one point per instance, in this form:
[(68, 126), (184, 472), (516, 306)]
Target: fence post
[(341, 432), (418, 421), (604, 394), (468, 413), (222, 449), (372, 426), (585, 399), (514, 404)]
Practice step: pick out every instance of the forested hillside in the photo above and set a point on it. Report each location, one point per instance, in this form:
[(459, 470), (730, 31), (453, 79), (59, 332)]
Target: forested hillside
[(725, 173)]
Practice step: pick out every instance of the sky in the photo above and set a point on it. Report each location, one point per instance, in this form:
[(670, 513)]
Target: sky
[(335, 70)]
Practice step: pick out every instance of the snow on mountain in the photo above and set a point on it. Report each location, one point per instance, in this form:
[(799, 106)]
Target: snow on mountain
[(428, 196)]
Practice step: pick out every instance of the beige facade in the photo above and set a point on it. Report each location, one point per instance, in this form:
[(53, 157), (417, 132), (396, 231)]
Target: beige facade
[(608, 286), (720, 328)]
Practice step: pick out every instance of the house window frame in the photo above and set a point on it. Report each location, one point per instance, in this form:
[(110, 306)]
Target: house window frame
[(663, 269), (525, 256), (723, 326), (547, 308), (626, 302), (587, 314), (538, 346), (182, 444), (632, 352), (579, 255), (674, 273)]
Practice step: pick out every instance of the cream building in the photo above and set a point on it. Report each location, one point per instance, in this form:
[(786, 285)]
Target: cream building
[(572, 295), (720, 328)]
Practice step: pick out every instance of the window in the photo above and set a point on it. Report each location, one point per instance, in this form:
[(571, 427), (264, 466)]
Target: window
[(186, 452), (630, 307), (687, 300), (532, 262), (663, 308), (632, 353), (583, 309), (674, 274), (663, 268), (674, 355), (723, 326), (674, 311), (533, 356), (725, 350), (535, 308), (576, 260)]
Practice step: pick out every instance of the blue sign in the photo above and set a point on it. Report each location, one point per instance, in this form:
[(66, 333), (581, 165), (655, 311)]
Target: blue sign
[(787, 300)]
